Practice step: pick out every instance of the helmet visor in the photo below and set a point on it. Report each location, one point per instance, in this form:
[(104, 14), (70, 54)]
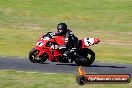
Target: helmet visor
[(60, 31)]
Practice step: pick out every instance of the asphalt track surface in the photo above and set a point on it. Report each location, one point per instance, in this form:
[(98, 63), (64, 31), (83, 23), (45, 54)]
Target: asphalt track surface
[(23, 64)]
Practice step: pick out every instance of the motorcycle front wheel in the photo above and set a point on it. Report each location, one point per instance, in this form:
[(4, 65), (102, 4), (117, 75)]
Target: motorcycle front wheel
[(33, 56)]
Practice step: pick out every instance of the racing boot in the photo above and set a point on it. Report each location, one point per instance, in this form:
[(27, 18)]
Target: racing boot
[(66, 56)]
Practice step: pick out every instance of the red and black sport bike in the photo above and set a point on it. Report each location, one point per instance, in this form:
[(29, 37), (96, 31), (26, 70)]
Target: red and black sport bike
[(47, 48)]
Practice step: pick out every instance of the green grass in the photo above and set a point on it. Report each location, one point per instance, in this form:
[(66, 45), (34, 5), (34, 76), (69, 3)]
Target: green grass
[(17, 42), (22, 22), (14, 79), (104, 15)]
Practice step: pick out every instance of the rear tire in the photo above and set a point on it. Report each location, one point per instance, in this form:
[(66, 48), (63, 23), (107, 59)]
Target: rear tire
[(84, 59)]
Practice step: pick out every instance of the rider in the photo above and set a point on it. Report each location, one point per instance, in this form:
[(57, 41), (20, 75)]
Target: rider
[(71, 40)]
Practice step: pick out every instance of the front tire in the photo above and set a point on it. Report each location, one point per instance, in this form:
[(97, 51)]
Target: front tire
[(44, 57), (33, 56)]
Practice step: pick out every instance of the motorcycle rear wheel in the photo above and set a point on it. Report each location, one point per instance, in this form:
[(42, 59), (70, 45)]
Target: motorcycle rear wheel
[(84, 59)]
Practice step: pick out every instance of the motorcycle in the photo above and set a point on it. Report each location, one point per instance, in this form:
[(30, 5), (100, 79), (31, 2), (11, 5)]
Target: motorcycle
[(47, 48)]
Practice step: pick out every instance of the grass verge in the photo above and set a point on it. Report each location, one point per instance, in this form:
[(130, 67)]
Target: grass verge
[(22, 22), (14, 79)]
